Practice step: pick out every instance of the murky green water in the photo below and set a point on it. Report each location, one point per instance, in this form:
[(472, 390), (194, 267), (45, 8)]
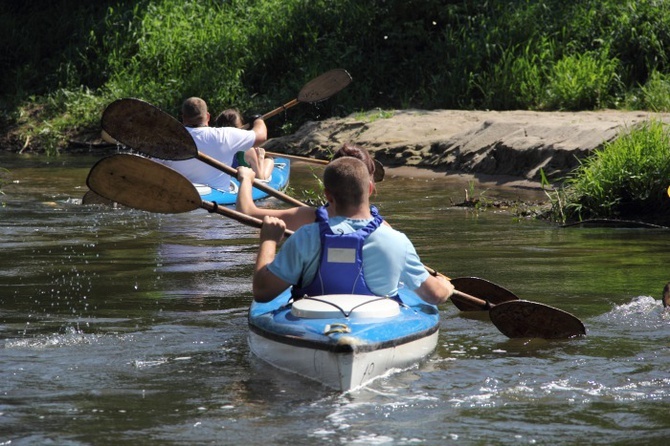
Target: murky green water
[(119, 326)]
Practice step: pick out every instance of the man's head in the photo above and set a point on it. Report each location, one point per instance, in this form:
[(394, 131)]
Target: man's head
[(347, 180), (194, 112)]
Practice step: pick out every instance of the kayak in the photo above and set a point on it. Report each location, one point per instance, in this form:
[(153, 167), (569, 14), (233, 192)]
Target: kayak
[(278, 181), (343, 341)]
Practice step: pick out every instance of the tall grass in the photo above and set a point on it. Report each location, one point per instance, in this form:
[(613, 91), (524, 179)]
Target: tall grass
[(655, 93), (628, 178), (581, 81), (257, 54)]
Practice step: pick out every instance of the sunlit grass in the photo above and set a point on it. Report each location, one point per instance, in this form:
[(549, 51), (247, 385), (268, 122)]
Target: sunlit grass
[(628, 178), (374, 115), (581, 81)]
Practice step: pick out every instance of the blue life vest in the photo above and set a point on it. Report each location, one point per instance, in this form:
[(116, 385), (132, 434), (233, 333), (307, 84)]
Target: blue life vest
[(341, 264)]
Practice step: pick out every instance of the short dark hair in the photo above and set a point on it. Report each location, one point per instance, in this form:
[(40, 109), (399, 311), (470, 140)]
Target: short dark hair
[(193, 110), (347, 179)]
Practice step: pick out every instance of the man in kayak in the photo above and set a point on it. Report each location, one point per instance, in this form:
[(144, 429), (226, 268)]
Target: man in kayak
[(363, 256), (219, 143), (294, 217)]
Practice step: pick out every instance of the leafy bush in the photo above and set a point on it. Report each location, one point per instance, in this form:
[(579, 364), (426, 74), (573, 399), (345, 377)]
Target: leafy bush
[(627, 178), (581, 81)]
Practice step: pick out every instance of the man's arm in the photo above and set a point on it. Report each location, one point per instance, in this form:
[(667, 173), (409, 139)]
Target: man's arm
[(435, 290), (266, 286), (294, 217)]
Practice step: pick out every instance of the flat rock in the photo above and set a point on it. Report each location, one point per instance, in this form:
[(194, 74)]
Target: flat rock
[(500, 143)]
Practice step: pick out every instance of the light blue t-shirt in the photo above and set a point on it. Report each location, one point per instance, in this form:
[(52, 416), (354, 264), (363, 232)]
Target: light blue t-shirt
[(389, 258)]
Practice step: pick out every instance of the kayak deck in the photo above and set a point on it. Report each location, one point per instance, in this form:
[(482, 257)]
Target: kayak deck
[(343, 349), (278, 180)]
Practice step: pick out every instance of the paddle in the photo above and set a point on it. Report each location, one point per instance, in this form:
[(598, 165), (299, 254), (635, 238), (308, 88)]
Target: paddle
[(476, 286), (140, 183), (156, 133), (379, 167), (91, 198), (149, 130), (317, 90), (305, 159), (515, 318)]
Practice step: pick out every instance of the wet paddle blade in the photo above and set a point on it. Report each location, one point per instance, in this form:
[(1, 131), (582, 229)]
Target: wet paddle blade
[(524, 319), (148, 129), (91, 198), (324, 86), (141, 183), (482, 289)]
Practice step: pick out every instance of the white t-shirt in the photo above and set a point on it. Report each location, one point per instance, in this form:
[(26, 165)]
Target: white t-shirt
[(220, 143)]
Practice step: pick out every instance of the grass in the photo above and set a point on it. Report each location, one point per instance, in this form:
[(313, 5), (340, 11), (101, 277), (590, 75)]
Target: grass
[(425, 54), (627, 179), (256, 55), (374, 115)]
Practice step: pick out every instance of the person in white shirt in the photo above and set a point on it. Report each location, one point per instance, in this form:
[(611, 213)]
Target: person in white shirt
[(253, 158), (220, 143)]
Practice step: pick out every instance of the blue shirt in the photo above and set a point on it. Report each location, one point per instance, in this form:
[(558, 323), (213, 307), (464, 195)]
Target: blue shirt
[(389, 258)]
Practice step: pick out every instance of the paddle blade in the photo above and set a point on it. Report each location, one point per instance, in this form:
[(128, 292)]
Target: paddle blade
[(140, 183), (524, 319), (324, 86), (148, 129), (91, 198), (482, 289), (380, 173)]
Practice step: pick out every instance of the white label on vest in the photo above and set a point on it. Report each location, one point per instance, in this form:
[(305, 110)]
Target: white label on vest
[(341, 255)]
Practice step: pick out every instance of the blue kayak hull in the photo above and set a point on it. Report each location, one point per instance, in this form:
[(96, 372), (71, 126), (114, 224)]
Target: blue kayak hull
[(278, 181), (343, 351)]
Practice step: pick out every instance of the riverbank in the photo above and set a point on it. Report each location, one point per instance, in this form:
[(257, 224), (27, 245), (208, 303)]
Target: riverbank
[(493, 148), (498, 147)]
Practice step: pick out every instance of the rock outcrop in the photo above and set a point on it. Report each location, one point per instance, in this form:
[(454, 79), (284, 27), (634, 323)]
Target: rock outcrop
[(508, 143)]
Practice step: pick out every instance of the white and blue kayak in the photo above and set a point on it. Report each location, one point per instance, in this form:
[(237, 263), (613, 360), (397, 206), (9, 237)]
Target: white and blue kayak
[(343, 341), (278, 181)]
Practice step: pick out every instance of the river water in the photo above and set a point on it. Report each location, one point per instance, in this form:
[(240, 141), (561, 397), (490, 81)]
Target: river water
[(119, 326)]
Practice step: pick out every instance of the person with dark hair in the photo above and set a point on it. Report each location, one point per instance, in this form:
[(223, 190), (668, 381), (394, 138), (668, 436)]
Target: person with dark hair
[(254, 157), (294, 217), (219, 143), (346, 251)]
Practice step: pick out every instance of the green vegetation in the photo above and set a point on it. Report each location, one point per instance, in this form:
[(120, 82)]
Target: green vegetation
[(373, 115), (256, 54), (628, 178), (64, 60)]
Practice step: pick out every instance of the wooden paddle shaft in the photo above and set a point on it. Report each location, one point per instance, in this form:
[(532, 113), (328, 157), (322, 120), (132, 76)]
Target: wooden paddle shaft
[(476, 303), (317, 90), (274, 112), (298, 158), (484, 305), (379, 167), (278, 110), (237, 215)]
